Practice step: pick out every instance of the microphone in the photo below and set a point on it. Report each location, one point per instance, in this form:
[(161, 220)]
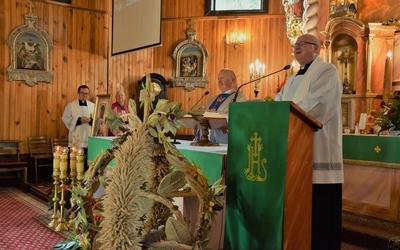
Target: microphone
[(259, 78), (206, 93)]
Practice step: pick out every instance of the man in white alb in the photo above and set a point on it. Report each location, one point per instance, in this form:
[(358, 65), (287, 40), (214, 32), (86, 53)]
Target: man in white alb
[(78, 118), (317, 89)]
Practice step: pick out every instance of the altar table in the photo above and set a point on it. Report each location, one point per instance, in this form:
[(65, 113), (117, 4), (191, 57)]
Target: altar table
[(372, 176)]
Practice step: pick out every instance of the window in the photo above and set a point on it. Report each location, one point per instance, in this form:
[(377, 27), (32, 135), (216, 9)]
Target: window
[(235, 7)]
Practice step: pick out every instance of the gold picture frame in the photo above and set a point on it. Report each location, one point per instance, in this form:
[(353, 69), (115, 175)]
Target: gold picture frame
[(190, 60), (99, 127), (30, 53)]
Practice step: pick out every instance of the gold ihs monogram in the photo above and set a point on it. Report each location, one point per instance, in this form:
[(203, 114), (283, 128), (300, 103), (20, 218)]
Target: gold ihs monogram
[(256, 170)]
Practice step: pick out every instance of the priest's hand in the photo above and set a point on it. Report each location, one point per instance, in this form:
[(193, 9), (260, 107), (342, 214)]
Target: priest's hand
[(85, 119)]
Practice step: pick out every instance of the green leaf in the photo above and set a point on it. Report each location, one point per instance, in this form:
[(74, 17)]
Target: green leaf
[(153, 132)]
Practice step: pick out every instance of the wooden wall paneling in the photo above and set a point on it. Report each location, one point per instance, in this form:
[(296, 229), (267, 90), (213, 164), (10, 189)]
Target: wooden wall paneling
[(275, 8), (75, 36), (85, 51), (8, 22), (222, 55), (4, 58), (81, 55), (77, 45), (105, 50), (58, 35), (40, 107), (64, 74), (271, 44), (93, 40), (47, 15), (82, 42), (3, 55)]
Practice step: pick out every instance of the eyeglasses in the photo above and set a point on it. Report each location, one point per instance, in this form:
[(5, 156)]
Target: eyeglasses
[(301, 44), (83, 93)]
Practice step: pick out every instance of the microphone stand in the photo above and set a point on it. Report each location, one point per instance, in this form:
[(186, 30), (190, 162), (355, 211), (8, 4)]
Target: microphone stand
[(175, 142), (206, 93), (257, 79)]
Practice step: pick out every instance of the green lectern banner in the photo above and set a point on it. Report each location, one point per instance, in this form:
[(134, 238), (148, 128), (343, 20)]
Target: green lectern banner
[(257, 149)]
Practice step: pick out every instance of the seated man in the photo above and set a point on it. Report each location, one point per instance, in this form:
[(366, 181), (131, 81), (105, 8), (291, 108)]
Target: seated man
[(220, 103)]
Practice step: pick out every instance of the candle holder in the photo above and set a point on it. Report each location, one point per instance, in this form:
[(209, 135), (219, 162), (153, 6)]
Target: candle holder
[(63, 176), (72, 165), (257, 70), (56, 172), (253, 77), (80, 158), (71, 224)]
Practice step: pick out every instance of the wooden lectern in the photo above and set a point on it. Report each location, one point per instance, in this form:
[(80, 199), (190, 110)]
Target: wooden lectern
[(269, 176), (211, 120)]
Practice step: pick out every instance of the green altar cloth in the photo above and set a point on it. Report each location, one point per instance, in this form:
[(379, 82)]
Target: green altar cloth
[(210, 159), (258, 133), (371, 148)]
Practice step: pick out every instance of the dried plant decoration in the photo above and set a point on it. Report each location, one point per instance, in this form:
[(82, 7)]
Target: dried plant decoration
[(137, 210)]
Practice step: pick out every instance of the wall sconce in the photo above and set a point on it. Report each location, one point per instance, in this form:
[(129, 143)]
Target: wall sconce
[(235, 39), (257, 70)]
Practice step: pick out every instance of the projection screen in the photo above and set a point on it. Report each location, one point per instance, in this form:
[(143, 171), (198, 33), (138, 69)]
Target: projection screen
[(136, 25)]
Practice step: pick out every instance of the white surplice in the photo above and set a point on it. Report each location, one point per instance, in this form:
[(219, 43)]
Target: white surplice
[(318, 92), (78, 135)]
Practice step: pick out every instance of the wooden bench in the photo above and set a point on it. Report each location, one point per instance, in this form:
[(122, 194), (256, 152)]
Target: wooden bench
[(11, 147), (41, 153), (20, 167)]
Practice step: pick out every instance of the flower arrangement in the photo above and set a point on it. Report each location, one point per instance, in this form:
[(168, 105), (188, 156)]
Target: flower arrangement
[(137, 210), (389, 117)]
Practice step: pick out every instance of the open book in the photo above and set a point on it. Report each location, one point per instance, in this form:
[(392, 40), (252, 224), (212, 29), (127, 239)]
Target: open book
[(214, 120)]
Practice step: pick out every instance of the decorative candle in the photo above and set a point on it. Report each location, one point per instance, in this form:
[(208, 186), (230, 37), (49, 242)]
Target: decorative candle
[(63, 162), (56, 160), (251, 68), (80, 163), (72, 159)]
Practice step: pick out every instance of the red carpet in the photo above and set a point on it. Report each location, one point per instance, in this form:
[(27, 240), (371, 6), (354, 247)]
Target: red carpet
[(18, 227)]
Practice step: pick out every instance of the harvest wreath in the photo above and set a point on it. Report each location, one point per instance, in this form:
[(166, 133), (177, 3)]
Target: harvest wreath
[(137, 210)]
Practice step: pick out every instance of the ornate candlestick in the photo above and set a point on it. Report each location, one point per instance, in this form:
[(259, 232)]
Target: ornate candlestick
[(257, 69), (80, 164), (56, 172), (72, 165), (63, 175), (72, 176)]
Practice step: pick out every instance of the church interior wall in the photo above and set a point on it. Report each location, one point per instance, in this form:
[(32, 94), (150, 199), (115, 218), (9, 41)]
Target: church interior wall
[(81, 36)]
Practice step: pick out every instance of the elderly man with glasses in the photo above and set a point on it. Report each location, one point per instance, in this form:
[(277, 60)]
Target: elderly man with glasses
[(317, 89), (78, 118)]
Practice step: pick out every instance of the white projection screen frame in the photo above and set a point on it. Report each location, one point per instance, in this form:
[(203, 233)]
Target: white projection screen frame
[(136, 25)]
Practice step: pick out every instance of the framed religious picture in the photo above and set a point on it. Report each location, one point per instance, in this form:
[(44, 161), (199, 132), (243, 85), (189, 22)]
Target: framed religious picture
[(99, 126), (30, 53), (190, 62)]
